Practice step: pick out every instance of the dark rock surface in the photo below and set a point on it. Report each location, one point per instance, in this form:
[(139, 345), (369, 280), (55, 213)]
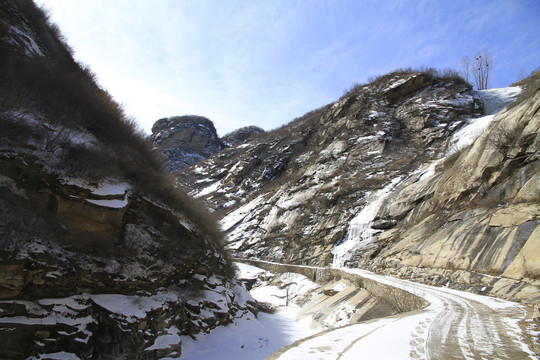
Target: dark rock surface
[(185, 140), (240, 135)]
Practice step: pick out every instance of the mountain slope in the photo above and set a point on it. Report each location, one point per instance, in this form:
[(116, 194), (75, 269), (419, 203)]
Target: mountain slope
[(476, 220), (386, 178), (101, 256), (289, 195)]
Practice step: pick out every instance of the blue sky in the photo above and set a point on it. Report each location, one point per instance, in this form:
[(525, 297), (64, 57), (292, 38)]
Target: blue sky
[(265, 62)]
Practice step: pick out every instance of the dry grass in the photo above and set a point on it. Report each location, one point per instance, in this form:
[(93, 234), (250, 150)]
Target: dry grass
[(63, 91)]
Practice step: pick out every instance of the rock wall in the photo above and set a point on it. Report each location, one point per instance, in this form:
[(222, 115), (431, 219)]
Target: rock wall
[(289, 195), (475, 222), (99, 281), (400, 300)]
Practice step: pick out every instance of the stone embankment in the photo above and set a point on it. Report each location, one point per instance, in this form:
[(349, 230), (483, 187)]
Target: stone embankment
[(399, 299)]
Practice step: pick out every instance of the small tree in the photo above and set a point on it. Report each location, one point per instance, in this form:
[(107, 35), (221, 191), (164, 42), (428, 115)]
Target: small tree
[(481, 68)]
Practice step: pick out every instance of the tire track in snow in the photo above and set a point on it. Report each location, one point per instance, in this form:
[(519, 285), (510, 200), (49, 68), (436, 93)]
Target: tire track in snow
[(464, 326)]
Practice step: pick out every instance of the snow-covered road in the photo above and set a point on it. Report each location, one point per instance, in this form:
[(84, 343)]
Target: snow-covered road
[(457, 325)]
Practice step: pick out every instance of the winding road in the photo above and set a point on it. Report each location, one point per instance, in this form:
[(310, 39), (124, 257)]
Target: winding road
[(456, 325)]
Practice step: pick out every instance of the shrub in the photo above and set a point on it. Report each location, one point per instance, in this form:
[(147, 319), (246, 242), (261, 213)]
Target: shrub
[(447, 74)]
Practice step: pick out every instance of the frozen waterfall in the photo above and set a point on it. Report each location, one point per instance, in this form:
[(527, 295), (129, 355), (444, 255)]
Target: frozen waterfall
[(360, 233)]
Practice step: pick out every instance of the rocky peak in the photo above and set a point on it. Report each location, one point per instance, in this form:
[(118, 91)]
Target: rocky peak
[(185, 140), (240, 135)]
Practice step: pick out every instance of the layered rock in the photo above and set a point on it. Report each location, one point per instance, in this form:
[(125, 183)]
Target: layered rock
[(464, 217), (476, 219), (185, 140), (101, 256), (103, 271)]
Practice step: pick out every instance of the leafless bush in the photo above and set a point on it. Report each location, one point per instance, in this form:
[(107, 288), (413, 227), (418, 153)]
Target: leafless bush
[(481, 69)]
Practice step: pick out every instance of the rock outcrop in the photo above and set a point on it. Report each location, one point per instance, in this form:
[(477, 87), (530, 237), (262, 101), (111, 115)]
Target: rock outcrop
[(90, 274), (185, 140), (240, 135), (476, 220), (289, 195)]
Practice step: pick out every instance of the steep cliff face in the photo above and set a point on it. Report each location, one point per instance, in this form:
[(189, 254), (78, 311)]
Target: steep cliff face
[(100, 256), (185, 140)]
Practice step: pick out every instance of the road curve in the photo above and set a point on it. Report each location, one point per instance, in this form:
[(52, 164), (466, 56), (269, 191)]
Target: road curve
[(456, 325)]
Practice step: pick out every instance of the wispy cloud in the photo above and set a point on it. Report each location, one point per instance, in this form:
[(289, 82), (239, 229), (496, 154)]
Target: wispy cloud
[(266, 62)]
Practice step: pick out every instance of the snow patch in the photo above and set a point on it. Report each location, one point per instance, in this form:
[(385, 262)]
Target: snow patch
[(497, 99), (466, 135)]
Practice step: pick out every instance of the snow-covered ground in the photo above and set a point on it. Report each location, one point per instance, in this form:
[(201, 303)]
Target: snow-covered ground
[(251, 338), (456, 325)]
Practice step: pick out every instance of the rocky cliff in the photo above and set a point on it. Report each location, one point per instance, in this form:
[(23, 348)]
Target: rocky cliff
[(475, 219), (100, 255), (185, 140), (390, 178), (290, 194)]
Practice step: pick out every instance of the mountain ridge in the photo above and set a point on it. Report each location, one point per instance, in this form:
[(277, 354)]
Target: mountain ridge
[(290, 195)]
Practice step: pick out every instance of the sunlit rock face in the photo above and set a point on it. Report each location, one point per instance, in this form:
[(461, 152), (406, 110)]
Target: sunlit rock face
[(475, 221), (408, 176), (290, 194), (185, 140)]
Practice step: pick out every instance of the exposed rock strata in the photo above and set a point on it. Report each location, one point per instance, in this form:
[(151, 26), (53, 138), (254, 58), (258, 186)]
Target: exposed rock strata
[(289, 195), (98, 281), (469, 221), (476, 220), (100, 255)]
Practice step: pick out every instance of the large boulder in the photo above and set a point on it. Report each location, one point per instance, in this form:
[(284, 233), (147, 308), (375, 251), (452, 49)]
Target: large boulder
[(185, 140)]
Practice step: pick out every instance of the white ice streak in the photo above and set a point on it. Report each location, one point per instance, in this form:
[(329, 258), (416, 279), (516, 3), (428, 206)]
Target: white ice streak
[(497, 99), (360, 231), (466, 135), (494, 101)]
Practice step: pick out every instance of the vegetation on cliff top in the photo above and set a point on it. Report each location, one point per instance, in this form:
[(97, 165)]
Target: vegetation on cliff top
[(62, 97)]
